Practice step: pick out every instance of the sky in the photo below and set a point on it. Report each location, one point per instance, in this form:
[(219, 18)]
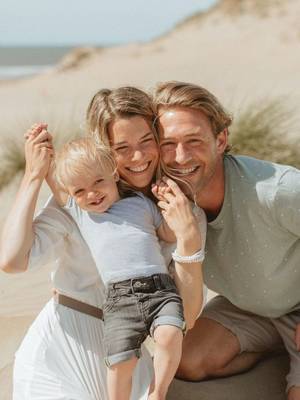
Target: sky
[(90, 22)]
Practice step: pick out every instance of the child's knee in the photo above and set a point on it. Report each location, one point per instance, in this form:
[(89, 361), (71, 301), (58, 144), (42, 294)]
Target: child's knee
[(166, 335)]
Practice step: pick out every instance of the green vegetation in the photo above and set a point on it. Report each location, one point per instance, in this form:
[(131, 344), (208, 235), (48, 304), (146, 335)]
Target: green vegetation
[(261, 131), (12, 145)]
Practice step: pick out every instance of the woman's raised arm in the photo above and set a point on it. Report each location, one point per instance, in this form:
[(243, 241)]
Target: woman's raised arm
[(17, 233)]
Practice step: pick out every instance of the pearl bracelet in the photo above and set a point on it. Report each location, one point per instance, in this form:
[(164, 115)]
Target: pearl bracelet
[(194, 258)]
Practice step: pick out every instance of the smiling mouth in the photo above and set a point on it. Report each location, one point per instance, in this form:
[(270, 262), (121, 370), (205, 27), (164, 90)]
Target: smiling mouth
[(97, 202), (139, 169), (184, 171)]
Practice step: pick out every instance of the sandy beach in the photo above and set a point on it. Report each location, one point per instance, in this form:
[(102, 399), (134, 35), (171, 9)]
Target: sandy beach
[(242, 54)]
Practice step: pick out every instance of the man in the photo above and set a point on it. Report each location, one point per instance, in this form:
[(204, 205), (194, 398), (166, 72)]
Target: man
[(253, 239)]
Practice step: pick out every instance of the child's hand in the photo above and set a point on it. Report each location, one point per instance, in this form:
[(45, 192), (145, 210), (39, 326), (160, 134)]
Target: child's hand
[(35, 130), (159, 188), (38, 151), (176, 208)]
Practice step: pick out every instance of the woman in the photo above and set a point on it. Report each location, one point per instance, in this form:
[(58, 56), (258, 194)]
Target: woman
[(61, 356)]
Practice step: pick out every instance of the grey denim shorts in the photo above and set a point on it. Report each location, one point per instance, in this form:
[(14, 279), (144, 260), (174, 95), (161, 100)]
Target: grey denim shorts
[(133, 309)]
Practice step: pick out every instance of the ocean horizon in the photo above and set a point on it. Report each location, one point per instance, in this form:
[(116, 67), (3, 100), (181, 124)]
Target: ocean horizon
[(24, 61)]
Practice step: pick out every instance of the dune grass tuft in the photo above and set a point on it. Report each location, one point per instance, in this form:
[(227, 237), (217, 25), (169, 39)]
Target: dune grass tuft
[(64, 126), (262, 130)]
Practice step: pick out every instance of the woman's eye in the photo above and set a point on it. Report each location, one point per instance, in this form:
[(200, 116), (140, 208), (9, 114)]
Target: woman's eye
[(147, 140), (121, 149)]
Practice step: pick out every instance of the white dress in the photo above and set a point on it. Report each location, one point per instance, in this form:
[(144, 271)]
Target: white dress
[(61, 356)]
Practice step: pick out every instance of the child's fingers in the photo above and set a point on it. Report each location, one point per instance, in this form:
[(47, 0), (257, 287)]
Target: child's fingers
[(35, 129), (43, 136), (173, 185)]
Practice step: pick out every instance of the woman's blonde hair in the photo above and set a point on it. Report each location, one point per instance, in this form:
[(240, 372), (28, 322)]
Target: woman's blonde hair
[(109, 105), (84, 157)]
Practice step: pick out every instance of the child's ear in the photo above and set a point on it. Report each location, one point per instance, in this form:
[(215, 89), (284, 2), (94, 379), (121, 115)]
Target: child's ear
[(116, 176)]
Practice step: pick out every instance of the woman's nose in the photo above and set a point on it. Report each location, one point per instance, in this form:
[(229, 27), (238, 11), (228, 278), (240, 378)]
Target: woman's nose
[(137, 155)]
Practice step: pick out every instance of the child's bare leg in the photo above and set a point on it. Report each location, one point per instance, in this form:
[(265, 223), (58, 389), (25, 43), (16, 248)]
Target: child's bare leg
[(167, 354), (119, 379)]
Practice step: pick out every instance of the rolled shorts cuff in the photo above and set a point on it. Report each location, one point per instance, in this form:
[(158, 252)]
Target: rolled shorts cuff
[(168, 320), (292, 380), (222, 320), (121, 357)]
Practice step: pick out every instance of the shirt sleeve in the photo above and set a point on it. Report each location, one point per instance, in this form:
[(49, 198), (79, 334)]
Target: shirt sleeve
[(287, 201), (51, 228), (156, 214)]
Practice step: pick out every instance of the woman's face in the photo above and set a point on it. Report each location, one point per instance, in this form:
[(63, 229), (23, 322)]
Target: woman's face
[(135, 149)]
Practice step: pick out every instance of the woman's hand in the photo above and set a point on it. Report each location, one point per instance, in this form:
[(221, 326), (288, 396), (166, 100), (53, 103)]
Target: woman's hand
[(38, 151)]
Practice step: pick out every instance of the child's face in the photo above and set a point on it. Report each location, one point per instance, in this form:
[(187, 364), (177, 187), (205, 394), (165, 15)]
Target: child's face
[(94, 192)]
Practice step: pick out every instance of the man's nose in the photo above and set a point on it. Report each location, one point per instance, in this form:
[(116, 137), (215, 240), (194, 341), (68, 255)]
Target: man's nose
[(181, 155)]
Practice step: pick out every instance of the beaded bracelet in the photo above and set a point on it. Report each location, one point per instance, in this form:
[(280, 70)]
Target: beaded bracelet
[(194, 258)]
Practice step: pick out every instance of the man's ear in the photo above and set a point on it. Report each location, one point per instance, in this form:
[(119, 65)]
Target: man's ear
[(222, 141), (116, 176)]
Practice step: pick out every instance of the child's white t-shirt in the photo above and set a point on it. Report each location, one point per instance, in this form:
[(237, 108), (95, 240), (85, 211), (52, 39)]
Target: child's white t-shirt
[(123, 239)]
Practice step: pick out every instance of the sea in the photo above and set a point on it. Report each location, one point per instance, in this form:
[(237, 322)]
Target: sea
[(18, 62)]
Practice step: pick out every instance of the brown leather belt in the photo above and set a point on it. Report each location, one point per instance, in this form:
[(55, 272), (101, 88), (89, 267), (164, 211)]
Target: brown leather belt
[(78, 305)]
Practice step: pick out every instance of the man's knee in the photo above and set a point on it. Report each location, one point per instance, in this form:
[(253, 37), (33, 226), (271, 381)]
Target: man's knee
[(198, 368), (207, 348)]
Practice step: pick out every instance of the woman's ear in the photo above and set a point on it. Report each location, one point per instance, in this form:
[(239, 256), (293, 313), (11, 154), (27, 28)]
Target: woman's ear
[(116, 176)]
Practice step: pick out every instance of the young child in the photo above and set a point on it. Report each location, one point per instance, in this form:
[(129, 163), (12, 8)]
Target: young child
[(120, 228)]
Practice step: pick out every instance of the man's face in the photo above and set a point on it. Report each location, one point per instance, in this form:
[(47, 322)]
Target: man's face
[(188, 146)]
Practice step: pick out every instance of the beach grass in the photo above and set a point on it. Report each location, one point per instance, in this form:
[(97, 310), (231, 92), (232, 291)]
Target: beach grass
[(263, 130), (64, 125)]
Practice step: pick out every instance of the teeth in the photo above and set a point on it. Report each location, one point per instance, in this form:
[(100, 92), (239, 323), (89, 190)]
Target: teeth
[(97, 201), (139, 169), (184, 171)]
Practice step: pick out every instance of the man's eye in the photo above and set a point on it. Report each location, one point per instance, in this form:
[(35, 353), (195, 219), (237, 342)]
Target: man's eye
[(167, 144), (99, 181)]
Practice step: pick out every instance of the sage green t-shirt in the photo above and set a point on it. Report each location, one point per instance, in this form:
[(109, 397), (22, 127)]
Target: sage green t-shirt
[(253, 246)]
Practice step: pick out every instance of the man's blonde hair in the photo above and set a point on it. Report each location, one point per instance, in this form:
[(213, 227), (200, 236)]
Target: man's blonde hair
[(82, 157), (180, 94), (109, 105)]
